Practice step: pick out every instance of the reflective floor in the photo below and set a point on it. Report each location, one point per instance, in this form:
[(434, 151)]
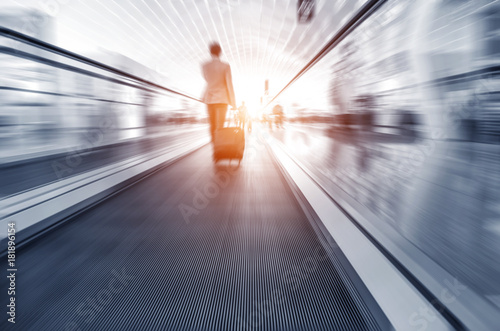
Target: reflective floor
[(384, 113), (438, 199), (194, 246)]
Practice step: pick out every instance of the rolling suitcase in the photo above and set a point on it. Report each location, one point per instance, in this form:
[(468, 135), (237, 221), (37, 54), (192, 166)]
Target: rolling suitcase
[(229, 143)]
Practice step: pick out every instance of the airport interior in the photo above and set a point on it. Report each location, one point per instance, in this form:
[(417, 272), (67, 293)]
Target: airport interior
[(250, 165)]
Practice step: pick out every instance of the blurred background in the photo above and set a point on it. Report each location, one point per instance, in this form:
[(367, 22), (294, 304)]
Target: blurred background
[(400, 120)]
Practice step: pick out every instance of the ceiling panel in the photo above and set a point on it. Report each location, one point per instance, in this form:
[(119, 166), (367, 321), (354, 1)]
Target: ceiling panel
[(261, 39)]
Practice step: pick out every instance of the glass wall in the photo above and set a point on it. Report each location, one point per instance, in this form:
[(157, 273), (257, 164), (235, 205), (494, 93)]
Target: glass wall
[(60, 117), (403, 118)]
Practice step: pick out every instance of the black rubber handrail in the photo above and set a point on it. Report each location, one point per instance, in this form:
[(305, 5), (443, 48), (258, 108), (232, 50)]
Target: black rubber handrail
[(366, 11), (15, 35)]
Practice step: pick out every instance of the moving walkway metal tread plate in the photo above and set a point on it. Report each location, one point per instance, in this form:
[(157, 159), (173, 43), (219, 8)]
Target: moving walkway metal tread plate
[(244, 261)]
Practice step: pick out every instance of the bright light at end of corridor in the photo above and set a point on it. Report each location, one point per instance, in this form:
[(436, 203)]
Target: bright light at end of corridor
[(249, 90)]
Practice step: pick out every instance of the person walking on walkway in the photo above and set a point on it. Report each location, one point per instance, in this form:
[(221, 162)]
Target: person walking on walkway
[(242, 115), (219, 92), (278, 115)]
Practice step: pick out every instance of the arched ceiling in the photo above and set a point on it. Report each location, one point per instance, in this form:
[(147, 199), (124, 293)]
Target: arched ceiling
[(261, 39)]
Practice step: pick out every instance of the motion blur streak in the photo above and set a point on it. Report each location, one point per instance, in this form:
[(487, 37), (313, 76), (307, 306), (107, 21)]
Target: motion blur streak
[(404, 118), (399, 123)]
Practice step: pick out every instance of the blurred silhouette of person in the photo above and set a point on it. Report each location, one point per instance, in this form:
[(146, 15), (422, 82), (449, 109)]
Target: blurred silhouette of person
[(269, 120), (219, 92), (242, 115), (249, 121), (278, 115)]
